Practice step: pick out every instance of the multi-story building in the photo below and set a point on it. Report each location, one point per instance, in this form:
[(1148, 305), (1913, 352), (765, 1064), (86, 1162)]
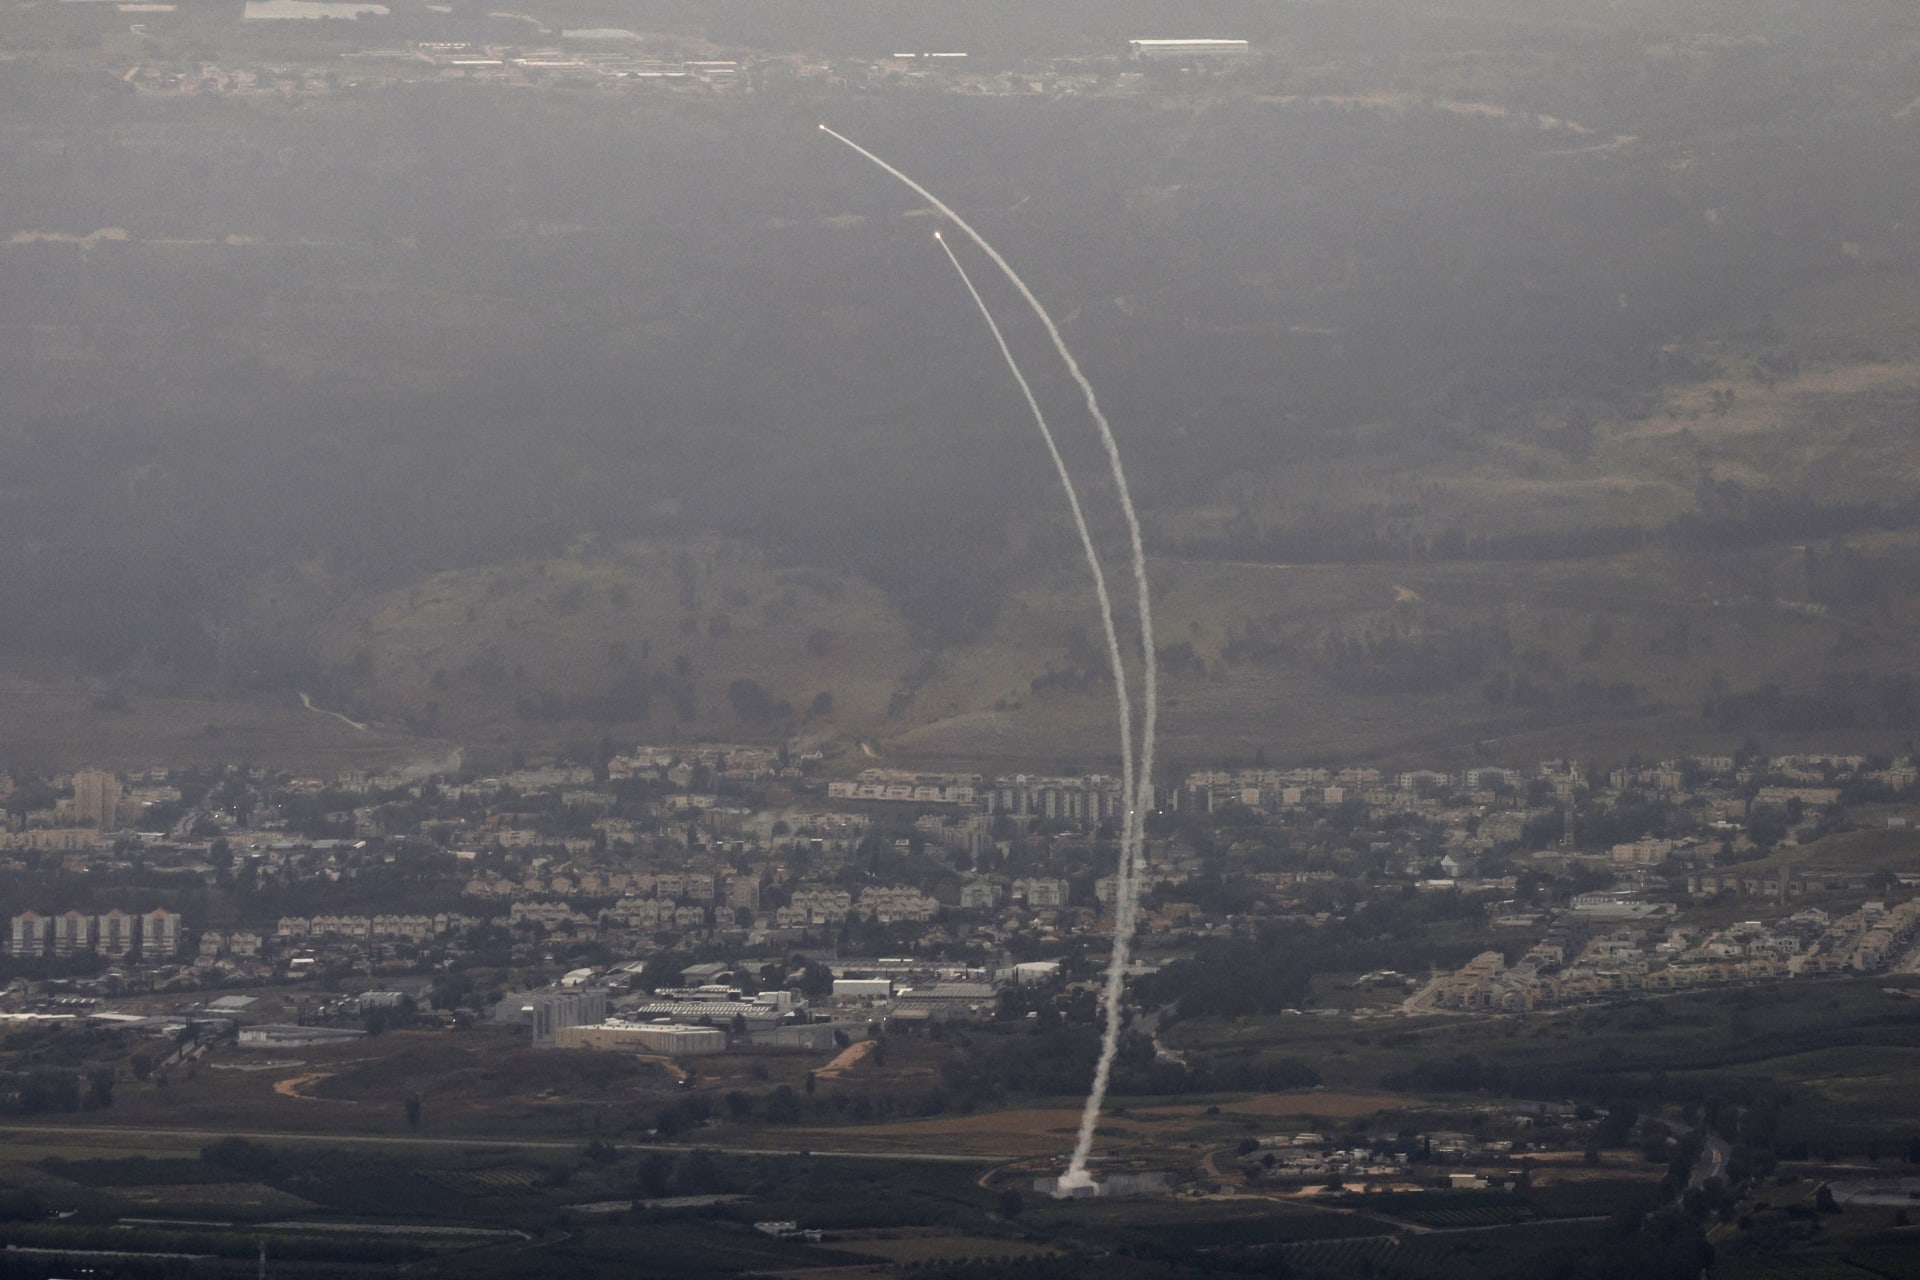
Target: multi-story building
[(339, 926), (556, 1008), (116, 932), (1042, 893), (819, 906), (73, 934), (29, 935), (744, 891), (896, 905), (551, 914), (1088, 799), (159, 934), (640, 913), (96, 799), (979, 895)]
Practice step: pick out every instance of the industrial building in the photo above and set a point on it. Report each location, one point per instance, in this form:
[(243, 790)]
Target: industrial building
[(1207, 48), (719, 1007), (271, 1035), (673, 1039)]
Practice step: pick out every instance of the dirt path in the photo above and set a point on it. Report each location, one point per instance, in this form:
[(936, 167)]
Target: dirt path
[(291, 1086), (845, 1060)]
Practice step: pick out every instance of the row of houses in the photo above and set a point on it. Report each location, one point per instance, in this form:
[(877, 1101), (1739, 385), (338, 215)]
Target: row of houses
[(411, 928), (904, 788), (1885, 937), (678, 886), (1092, 798)]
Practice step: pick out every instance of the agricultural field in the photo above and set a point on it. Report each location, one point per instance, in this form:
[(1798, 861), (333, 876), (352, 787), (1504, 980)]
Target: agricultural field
[(1754, 1034), (475, 1210)]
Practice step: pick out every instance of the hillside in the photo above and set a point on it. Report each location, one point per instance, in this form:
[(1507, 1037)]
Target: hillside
[(1498, 380)]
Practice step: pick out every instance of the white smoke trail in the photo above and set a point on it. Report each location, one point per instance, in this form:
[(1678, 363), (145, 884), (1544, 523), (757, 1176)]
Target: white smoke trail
[(1125, 907), (1114, 658)]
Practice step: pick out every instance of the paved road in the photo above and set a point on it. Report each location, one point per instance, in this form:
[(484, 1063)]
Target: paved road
[(472, 1143)]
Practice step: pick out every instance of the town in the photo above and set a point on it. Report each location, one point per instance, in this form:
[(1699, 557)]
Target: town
[(918, 896), (1402, 1003)]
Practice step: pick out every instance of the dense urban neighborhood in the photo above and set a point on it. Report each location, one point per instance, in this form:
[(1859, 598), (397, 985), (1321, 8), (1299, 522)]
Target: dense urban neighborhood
[(1422, 1001), (918, 897)]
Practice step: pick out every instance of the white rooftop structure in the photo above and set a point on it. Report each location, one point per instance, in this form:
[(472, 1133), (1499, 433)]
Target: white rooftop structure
[(1188, 48)]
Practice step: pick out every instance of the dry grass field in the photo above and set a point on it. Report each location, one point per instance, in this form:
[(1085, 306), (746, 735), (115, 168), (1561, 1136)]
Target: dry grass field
[(1023, 1132), (648, 639), (57, 726)]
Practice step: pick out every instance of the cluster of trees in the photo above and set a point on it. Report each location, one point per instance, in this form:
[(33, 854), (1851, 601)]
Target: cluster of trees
[(1273, 970), (54, 1089), (1401, 661), (1842, 700)]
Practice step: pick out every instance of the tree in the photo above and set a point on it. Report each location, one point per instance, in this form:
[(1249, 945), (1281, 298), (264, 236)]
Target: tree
[(413, 1110), (1012, 1203), (100, 1089), (782, 1106), (751, 702), (656, 1176)]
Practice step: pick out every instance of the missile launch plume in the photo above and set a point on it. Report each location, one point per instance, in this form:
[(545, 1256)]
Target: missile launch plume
[(1136, 798), (1079, 522)]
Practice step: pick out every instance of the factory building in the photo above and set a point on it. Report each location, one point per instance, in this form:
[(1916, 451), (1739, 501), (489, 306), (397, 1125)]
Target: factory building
[(1188, 48), (671, 1039)]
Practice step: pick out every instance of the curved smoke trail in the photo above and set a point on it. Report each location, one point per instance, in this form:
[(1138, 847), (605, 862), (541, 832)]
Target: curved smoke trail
[(1125, 907), (1079, 524)]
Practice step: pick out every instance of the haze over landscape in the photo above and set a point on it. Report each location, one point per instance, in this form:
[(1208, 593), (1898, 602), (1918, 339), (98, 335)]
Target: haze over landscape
[(469, 466)]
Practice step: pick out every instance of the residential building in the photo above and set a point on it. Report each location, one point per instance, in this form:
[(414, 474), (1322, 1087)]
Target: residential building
[(29, 935), (73, 934), (96, 799), (556, 1008), (117, 932), (159, 934)]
